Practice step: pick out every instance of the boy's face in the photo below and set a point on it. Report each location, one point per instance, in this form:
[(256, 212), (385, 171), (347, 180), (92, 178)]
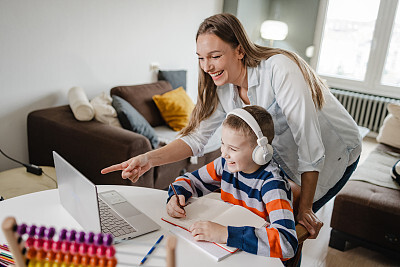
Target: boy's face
[(237, 149)]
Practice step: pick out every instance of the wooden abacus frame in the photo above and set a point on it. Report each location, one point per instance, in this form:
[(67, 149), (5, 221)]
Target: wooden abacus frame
[(18, 250)]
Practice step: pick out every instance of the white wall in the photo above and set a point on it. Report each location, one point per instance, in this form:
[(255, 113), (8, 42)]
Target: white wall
[(48, 46)]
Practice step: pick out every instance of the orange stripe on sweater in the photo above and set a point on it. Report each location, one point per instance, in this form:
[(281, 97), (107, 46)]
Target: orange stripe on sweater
[(278, 204), (212, 173), (274, 243), (185, 180), (231, 199)]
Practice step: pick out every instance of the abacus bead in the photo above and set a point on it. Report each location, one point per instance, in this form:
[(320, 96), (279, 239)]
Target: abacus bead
[(46, 264), (55, 264), (112, 262), (81, 237), (102, 262), (21, 230), (31, 253), (98, 239), (59, 257), (65, 246), (50, 232), (63, 235), (85, 259), (110, 252), (89, 237), (91, 251), (74, 248), (50, 255), (83, 249), (93, 261), (101, 251), (76, 259), (38, 243), (40, 231), (32, 230), (68, 258), (108, 239), (39, 264), (29, 242), (47, 244), (31, 263), (56, 246), (40, 255), (71, 235)]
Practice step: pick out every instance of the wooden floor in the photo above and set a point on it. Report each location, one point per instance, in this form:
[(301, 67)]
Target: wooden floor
[(317, 252)]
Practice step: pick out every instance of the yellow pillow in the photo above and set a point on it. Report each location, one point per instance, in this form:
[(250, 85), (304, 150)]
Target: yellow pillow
[(175, 107)]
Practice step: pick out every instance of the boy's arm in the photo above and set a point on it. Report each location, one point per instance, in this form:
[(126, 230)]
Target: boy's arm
[(279, 238), (203, 181)]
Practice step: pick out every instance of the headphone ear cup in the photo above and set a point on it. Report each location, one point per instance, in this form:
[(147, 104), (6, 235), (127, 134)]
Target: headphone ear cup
[(259, 156)]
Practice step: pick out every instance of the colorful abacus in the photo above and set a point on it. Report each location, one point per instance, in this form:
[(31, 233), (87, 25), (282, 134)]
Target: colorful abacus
[(34, 246)]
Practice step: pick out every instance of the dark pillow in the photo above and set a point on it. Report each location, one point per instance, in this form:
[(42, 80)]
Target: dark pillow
[(132, 120), (176, 78), (141, 98)]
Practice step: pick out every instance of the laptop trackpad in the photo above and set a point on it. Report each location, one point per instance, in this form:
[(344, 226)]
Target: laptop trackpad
[(125, 209)]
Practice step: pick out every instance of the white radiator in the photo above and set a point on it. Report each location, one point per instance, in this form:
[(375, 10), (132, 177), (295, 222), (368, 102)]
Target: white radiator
[(367, 110)]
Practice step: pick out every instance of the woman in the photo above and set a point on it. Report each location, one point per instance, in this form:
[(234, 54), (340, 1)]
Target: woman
[(317, 143)]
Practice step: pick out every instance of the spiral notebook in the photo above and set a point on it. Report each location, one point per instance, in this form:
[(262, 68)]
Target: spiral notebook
[(207, 209)]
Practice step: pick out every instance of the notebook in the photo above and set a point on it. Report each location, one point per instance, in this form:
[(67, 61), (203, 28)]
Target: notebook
[(208, 209), (106, 212)]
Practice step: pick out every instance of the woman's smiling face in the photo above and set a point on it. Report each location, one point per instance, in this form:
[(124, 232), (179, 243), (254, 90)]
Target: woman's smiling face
[(217, 58)]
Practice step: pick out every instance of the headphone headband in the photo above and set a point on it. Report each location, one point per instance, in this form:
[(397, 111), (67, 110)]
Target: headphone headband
[(249, 119)]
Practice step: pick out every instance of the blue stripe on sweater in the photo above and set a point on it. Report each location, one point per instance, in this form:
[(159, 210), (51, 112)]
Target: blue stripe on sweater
[(208, 186), (289, 236)]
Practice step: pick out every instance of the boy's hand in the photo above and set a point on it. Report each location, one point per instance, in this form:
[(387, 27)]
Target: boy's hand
[(209, 231), (173, 209)]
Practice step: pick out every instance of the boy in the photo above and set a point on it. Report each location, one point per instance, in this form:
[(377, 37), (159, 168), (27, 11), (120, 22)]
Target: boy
[(247, 177)]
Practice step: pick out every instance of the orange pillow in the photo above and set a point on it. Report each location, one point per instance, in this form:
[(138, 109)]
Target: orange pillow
[(175, 107)]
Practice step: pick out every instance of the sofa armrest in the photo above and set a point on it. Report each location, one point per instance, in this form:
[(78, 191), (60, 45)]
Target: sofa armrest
[(88, 146)]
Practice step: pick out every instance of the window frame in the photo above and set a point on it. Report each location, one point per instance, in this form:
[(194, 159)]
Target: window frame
[(377, 57)]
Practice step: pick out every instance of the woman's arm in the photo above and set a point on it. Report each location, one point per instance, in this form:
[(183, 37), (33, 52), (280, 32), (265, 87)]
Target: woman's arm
[(134, 167), (305, 215)]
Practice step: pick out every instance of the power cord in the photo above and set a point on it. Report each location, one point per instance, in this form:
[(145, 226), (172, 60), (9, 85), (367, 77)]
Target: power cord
[(29, 167)]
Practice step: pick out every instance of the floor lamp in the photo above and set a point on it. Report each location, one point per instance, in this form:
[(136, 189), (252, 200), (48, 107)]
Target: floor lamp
[(273, 30)]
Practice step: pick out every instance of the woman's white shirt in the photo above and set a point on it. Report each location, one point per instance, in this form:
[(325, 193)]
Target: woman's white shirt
[(306, 139)]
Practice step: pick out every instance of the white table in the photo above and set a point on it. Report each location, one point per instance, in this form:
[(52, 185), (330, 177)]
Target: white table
[(44, 208)]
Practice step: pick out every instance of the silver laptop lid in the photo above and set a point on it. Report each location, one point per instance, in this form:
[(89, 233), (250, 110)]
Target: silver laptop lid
[(78, 195)]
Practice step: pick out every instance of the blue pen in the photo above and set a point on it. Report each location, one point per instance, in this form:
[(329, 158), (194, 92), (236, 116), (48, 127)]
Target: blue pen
[(151, 250)]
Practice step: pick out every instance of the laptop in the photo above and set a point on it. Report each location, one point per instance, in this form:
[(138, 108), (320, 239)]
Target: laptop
[(105, 212)]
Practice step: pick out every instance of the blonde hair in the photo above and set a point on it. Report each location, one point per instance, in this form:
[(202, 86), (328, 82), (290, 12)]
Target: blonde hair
[(263, 119), (229, 29)]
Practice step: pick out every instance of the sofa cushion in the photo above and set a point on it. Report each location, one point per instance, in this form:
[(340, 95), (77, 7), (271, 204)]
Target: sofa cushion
[(389, 132), (131, 119), (140, 97), (175, 108), (103, 110), (176, 78)]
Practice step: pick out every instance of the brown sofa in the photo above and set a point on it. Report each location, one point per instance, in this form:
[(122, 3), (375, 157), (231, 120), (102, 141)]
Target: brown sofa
[(367, 214), (92, 145)]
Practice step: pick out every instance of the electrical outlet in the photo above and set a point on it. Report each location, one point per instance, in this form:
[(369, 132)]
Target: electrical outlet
[(154, 66)]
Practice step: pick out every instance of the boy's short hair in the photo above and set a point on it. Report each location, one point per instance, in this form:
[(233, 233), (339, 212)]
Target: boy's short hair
[(263, 118)]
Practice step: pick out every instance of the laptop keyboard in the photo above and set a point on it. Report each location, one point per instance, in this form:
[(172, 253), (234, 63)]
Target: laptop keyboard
[(113, 224)]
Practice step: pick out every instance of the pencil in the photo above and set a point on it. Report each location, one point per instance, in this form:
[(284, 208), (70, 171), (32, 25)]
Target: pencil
[(151, 250), (177, 198)]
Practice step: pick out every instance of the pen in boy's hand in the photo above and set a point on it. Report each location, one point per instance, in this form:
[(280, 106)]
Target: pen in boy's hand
[(177, 198)]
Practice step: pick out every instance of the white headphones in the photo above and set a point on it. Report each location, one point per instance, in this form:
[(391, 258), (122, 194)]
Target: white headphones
[(263, 152)]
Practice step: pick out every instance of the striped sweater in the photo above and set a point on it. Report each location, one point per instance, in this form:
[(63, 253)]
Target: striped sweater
[(264, 192)]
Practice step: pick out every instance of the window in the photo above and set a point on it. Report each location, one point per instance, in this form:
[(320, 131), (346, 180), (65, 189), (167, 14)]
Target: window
[(358, 45)]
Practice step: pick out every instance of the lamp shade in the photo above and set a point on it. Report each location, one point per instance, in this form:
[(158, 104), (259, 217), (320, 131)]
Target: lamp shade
[(274, 30)]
